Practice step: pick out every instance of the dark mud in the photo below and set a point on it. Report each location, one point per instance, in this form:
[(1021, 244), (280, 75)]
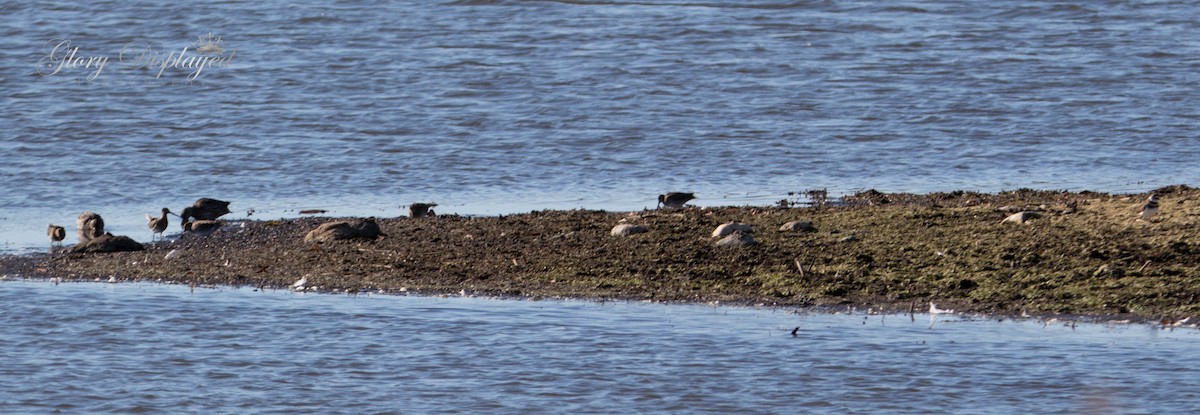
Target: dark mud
[(1084, 254)]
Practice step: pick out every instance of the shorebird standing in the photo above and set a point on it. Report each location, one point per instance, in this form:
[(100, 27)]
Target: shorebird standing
[(202, 227), (159, 224), (675, 200), (57, 234), (1150, 208), (89, 226), (204, 209), (420, 210)]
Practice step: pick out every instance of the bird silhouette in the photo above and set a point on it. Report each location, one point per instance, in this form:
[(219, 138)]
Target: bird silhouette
[(420, 210), (675, 200), (204, 209)]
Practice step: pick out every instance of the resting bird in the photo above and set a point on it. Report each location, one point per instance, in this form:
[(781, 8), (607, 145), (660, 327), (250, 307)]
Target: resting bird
[(675, 200), (1150, 208), (419, 210), (89, 226), (159, 224), (205, 209), (57, 234), (202, 227)]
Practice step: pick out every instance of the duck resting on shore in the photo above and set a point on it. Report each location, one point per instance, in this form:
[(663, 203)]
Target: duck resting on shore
[(204, 209), (202, 227), (89, 226)]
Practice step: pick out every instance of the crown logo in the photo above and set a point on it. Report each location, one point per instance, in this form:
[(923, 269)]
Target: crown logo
[(208, 45)]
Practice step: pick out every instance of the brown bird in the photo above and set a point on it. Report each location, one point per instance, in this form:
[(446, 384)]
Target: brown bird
[(159, 224), (202, 227), (1150, 208), (420, 210), (89, 226), (57, 234), (675, 200), (205, 209)]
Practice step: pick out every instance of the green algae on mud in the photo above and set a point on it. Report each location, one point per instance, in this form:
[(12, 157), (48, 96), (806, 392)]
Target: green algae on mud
[(1085, 254)]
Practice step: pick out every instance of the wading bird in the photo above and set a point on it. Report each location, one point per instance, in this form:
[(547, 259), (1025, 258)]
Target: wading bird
[(159, 224), (57, 234), (204, 209), (420, 210), (675, 200)]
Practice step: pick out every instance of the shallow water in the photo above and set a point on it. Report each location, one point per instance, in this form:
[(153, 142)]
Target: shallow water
[(491, 106), (146, 348)]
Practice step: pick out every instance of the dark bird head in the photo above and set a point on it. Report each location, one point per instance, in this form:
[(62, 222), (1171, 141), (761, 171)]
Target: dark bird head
[(185, 216), (418, 210)]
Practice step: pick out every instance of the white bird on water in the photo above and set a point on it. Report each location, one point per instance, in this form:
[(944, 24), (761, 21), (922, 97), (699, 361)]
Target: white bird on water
[(300, 283), (933, 309)]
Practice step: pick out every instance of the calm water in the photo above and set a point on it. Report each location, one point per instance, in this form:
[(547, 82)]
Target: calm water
[(140, 348), (500, 106)]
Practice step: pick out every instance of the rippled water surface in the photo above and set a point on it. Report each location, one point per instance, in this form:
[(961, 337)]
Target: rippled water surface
[(501, 106), (143, 348)]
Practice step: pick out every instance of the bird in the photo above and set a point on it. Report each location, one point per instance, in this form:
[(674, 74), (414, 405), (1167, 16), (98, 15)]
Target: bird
[(202, 227), (300, 283), (1150, 208), (933, 309), (204, 209), (675, 200), (89, 226), (159, 224), (420, 210), (57, 234)]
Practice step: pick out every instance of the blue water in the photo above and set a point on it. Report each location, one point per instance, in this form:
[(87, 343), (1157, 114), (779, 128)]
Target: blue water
[(144, 348), (504, 106)]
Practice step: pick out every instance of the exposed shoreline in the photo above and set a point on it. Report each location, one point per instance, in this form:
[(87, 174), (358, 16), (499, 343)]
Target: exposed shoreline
[(1085, 255)]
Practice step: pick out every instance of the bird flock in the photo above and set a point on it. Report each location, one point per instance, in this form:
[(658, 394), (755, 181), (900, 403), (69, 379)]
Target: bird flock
[(201, 218)]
